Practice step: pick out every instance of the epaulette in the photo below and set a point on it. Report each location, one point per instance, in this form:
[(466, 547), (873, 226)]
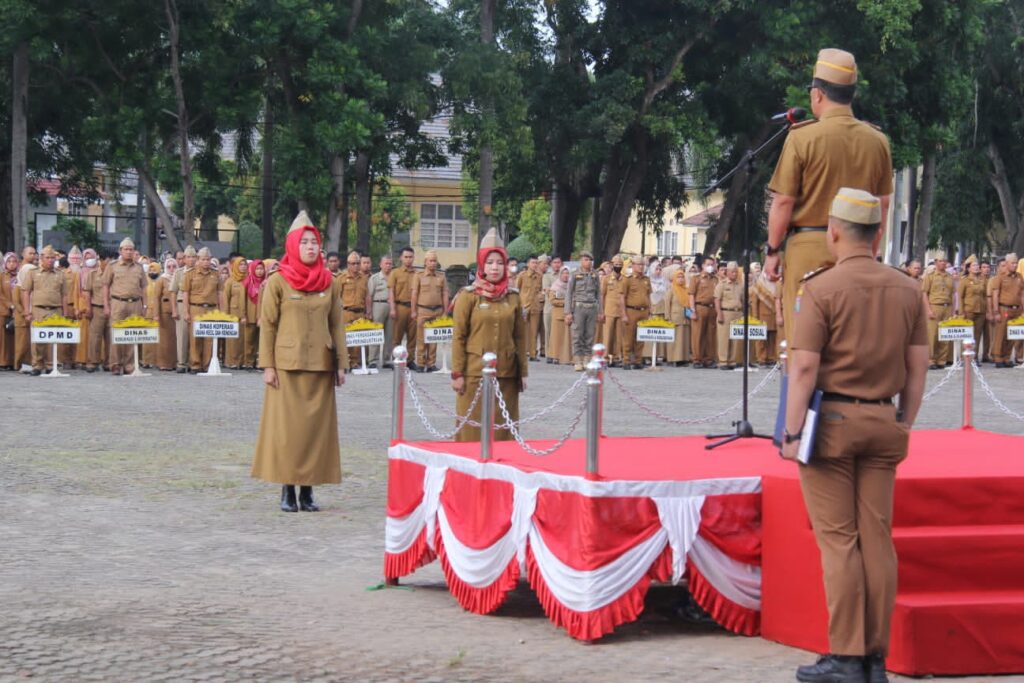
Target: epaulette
[(802, 124), (469, 288), (876, 127), (815, 273), (903, 272)]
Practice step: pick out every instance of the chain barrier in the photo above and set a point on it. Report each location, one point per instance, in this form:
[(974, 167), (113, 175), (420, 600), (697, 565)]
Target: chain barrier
[(692, 421), (459, 420), (950, 373), (561, 399), (510, 424), (992, 396)]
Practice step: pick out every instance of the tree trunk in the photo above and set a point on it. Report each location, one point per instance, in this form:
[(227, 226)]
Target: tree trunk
[(163, 214), (364, 216), (19, 146), (346, 214), (621, 187), (731, 212), (924, 209), (7, 237), (566, 209), (184, 153), (486, 183), (267, 180), (334, 207), (1001, 182)]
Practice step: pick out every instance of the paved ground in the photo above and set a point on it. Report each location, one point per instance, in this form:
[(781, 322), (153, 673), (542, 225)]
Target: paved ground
[(135, 547)]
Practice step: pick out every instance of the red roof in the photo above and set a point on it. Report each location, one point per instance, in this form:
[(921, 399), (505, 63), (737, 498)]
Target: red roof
[(703, 218), (53, 187)]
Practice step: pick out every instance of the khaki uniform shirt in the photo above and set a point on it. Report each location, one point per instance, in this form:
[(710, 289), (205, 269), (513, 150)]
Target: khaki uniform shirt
[(972, 295), (400, 282), (611, 289), (94, 286), (702, 288), (860, 316), (430, 290), (176, 281), (352, 291), (301, 330), (6, 295), (126, 280), (202, 287), (939, 288), (235, 297), (637, 292), (45, 286), (546, 281), (378, 288), (1010, 286), (730, 293), (164, 298), (484, 325), (531, 290), (819, 157)]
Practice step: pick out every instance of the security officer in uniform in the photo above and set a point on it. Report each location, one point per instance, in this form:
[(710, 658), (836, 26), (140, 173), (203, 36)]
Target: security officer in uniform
[(400, 303), (972, 304), (429, 302), (124, 289), (636, 306), (817, 159), (183, 331), (530, 284), (728, 309), (702, 327), (352, 288), (611, 296), (859, 335), (583, 309), (377, 288), (201, 288), (1006, 301), (938, 289), (44, 294)]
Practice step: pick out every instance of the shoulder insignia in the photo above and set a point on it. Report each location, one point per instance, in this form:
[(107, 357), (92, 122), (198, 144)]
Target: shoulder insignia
[(803, 124), (469, 288), (903, 272), (815, 273), (875, 126)]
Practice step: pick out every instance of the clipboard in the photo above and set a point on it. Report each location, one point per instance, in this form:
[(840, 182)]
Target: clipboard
[(810, 428)]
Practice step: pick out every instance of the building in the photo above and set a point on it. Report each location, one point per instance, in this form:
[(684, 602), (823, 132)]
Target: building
[(683, 232)]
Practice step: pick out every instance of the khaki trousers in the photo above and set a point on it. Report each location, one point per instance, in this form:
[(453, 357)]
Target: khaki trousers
[(42, 354), (404, 327), (1003, 348), (730, 351), (584, 327), (380, 315), (848, 489), (545, 335), (354, 354), (939, 352), (99, 332), (122, 355), (632, 350), (766, 351), (533, 328), (981, 342), (6, 344), (611, 337), (183, 334), (426, 354), (804, 252), (200, 349), (703, 334)]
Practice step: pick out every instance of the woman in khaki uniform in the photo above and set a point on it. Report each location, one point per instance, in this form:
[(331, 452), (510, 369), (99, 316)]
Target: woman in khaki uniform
[(8, 279), (162, 310), (560, 342), (677, 301), (303, 356), (233, 298), (22, 332), (90, 260), (253, 283), (488, 317), (149, 351)]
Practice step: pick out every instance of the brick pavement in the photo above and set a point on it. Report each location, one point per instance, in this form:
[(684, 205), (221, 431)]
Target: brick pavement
[(136, 547)]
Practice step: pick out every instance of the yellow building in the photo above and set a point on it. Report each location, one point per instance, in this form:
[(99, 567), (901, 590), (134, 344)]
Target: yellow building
[(683, 232)]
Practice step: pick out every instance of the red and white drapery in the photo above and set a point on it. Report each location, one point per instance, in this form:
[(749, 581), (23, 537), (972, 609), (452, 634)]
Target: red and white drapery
[(589, 549)]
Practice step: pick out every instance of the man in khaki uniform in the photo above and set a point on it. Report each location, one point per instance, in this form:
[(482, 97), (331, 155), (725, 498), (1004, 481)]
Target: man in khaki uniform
[(817, 159), (986, 275), (861, 437), (377, 288), (702, 327), (429, 301), (99, 320), (183, 331), (972, 305), (353, 292), (43, 294), (938, 289), (548, 279), (201, 288), (124, 289), (728, 308), (530, 284), (636, 305), (763, 295), (611, 296), (400, 303), (1006, 302)]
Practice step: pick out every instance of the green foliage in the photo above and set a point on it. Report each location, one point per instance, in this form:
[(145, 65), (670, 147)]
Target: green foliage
[(79, 231), (250, 240), (520, 248), (392, 213), (535, 224)]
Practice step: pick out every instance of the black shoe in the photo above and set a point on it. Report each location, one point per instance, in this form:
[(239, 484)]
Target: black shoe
[(874, 669), (36, 372), (638, 366), (711, 365), (933, 366), (833, 669), (534, 359), (433, 368), (90, 370), (181, 371), (306, 503), (413, 367), (724, 366), (288, 499)]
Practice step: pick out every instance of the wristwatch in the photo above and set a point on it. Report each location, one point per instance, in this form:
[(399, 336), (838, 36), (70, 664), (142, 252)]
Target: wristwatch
[(769, 250), (790, 438)]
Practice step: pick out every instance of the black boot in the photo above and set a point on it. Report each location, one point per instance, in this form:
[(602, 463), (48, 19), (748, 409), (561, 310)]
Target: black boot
[(833, 669), (288, 499), (874, 669), (306, 499)]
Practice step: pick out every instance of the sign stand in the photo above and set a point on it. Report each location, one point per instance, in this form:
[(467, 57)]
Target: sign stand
[(750, 366), (214, 369), (137, 372), (365, 370), (57, 334), (54, 372), (654, 358), (443, 349)]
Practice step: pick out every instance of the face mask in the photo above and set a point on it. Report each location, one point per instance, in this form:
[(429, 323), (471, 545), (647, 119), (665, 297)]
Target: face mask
[(90, 263), (617, 269), (710, 270), (153, 276), (513, 269)]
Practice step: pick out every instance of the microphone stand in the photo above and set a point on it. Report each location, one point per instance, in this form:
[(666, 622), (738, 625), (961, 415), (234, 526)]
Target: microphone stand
[(744, 429)]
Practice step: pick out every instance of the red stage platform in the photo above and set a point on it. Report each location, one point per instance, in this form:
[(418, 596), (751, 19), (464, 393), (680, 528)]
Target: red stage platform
[(732, 522)]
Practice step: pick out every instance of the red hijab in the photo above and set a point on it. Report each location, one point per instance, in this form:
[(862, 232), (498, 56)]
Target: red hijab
[(253, 281), (314, 278), (483, 286)]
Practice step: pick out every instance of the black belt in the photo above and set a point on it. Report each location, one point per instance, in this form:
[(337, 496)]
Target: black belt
[(49, 308), (126, 299), (733, 310), (402, 303), (637, 308), (808, 228), (707, 305), (204, 305), (378, 301), (843, 398), (97, 305), (1007, 306), (429, 308), (353, 309), (585, 303), (166, 301)]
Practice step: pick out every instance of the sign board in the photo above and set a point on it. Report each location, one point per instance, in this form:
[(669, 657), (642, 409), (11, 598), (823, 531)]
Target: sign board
[(55, 335), (1015, 332), (956, 333), (438, 335), (756, 333), (365, 338), (660, 335), (214, 328), (135, 335)]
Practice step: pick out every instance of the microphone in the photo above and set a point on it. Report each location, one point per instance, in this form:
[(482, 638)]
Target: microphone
[(791, 115)]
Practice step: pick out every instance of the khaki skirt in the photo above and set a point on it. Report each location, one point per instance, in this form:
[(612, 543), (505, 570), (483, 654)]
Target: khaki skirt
[(560, 342), (298, 438), (509, 389)]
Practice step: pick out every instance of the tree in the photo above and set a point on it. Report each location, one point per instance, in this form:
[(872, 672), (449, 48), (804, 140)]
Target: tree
[(535, 222)]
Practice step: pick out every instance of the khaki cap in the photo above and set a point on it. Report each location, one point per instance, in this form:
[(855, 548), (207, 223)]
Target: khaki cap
[(970, 259), (203, 253), (75, 251), (126, 242), (491, 240), (430, 254), (856, 206), (587, 254), (48, 250), (836, 66), (190, 250), (301, 222)]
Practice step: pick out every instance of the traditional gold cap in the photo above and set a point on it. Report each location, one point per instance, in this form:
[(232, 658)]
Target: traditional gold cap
[(154, 267), (491, 240), (75, 251), (970, 259), (836, 66), (430, 254), (126, 242), (190, 250), (856, 206), (203, 253), (301, 222)]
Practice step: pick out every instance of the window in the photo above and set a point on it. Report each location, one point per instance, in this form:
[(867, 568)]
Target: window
[(442, 226), (668, 243), (693, 243)]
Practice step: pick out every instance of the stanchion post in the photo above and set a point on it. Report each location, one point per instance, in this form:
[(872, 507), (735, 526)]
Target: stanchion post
[(783, 358), (599, 354), (490, 373), (399, 357), (968, 408), (595, 400)]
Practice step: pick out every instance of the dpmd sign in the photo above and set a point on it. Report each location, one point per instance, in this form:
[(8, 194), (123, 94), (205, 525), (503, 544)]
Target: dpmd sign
[(215, 328), (438, 335), (55, 335), (135, 335), (658, 335)]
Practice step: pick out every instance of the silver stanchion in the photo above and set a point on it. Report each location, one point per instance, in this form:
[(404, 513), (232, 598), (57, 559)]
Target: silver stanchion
[(599, 354), (400, 358), (783, 358), (489, 379), (595, 399), (968, 407)]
